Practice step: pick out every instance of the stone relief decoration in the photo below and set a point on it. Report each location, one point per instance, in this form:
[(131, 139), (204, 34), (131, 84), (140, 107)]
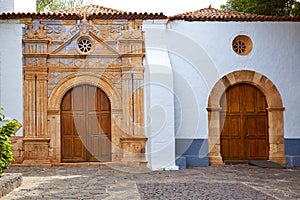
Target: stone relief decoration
[(108, 39), (34, 31), (54, 78), (35, 62), (54, 31)]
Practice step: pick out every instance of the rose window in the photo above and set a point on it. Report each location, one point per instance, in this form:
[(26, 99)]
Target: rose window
[(85, 45), (242, 45)]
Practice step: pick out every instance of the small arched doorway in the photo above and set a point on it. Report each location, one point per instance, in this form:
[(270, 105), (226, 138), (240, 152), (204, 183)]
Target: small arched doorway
[(244, 124), (85, 125)]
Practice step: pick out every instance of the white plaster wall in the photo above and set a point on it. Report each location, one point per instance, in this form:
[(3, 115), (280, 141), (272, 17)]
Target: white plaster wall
[(11, 70), (159, 99), (209, 56)]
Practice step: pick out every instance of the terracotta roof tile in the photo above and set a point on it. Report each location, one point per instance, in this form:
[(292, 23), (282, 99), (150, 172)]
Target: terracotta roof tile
[(212, 14), (89, 11)]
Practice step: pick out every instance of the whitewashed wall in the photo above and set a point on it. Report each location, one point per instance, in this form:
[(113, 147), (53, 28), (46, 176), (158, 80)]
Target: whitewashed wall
[(11, 65), (11, 95), (200, 53), (159, 99), (275, 54)]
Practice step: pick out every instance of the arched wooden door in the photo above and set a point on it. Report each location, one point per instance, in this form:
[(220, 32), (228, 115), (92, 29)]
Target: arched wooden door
[(85, 125), (244, 122)]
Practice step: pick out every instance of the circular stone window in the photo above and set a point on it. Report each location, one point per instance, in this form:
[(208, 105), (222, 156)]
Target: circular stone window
[(242, 45), (85, 45)]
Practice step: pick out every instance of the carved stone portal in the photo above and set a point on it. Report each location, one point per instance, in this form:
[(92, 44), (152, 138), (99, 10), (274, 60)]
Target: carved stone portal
[(59, 55)]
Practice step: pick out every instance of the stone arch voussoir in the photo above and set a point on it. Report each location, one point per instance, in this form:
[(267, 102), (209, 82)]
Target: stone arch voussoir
[(79, 79)]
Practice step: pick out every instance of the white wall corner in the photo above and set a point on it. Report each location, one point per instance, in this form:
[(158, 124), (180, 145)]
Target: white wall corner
[(159, 98)]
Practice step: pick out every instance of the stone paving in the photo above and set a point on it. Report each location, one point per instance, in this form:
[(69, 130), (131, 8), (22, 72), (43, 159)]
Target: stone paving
[(222, 182)]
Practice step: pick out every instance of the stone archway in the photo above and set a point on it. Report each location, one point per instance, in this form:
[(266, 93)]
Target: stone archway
[(275, 113), (54, 103)]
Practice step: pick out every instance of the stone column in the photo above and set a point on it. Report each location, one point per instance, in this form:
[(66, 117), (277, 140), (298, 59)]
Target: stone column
[(214, 134), (276, 138)]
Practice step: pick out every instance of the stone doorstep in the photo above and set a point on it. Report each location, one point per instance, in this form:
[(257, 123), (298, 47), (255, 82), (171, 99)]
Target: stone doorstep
[(9, 182)]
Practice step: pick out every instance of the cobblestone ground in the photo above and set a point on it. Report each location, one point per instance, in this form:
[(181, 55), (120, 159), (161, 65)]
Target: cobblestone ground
[(223, 182)]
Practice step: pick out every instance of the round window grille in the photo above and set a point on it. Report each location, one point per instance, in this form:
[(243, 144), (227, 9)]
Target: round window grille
[(242, 45), (85, 45)]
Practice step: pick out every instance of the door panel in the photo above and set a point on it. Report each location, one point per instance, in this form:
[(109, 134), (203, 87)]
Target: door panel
[(244, 124), (82, 121)]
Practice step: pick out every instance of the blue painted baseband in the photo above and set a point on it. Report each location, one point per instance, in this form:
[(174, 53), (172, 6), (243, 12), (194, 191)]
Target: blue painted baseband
[(194, 152), (292, 152), (292, 146), (191, 153), (195, 161), (293, 160), (181, 162)]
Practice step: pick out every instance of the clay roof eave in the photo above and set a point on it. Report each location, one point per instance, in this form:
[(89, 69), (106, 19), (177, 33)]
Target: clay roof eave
[(93, 12), (88, 11), (212, 14)]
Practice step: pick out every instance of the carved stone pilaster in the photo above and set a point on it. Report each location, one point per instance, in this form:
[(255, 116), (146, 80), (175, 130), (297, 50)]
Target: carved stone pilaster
[(133, 100), (35, 101), (41, 104), (127, 101), (29, 104)]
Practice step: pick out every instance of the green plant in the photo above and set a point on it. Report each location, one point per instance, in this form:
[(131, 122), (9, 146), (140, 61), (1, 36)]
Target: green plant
[(6, 131)]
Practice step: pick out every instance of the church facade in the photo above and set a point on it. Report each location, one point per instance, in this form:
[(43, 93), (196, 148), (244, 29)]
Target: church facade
[(201, 88)]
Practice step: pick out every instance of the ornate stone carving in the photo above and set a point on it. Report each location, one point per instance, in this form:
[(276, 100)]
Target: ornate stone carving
[(36, 33), (54, 78), (34, 61), (92, 62), (115, 77), (131, 35), (54, 31)]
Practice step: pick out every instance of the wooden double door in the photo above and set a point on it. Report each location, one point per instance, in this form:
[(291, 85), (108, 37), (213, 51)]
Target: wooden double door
[(244, 123), (85, 125)]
